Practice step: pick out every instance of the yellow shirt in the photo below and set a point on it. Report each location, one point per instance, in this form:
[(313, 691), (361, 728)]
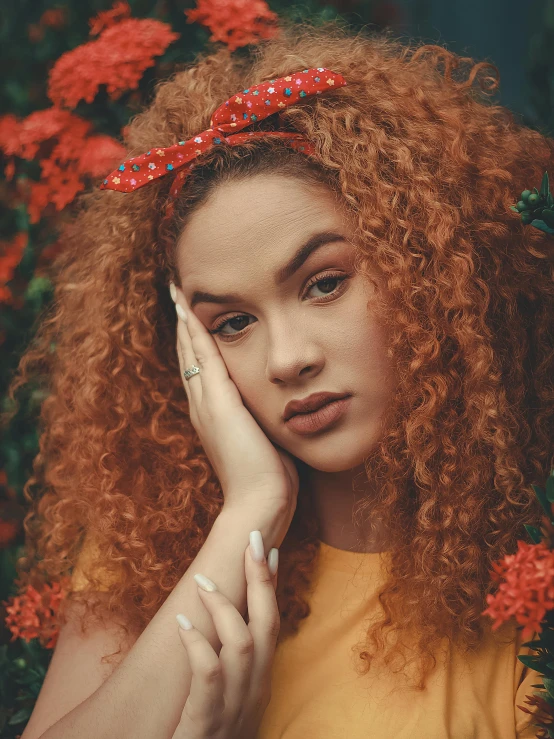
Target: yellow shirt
[(317, 693)]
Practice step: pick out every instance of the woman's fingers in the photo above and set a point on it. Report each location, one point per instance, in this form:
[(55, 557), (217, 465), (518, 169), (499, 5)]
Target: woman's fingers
[(217, 386), (263, 621), (185, 352), (232, 689), (205, 703), (223, 683)]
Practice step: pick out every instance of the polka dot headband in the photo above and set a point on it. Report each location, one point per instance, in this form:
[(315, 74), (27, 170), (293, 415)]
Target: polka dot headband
[(246, 107)]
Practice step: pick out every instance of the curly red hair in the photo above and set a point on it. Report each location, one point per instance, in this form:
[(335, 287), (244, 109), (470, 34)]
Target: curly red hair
[(428, 167)]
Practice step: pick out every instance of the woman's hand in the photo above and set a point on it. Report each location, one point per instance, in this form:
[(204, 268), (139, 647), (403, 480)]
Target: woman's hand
[(230, 693), (255, 475)]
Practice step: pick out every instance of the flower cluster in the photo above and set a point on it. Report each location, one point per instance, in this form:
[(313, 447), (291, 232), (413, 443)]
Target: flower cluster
[(235, 22), (33, 615), (66, 150), (526, 589), (117, 59)]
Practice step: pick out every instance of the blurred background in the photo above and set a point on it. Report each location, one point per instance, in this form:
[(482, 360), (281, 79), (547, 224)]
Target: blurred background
[(74, 72)]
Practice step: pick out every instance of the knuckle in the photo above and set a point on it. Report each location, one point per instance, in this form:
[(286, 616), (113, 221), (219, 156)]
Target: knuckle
[(200, 357), (266, 578), (244, 645), (212, 672)]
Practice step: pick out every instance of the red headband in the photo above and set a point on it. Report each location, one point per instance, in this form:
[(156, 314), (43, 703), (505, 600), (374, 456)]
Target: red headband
[(246, 107)]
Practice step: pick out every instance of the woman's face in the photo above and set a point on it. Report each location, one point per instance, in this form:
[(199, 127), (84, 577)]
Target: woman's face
[(286, 339)]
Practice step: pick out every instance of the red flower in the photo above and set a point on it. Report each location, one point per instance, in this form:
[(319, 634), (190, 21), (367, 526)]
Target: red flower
[(43, 125), (9, 134), (66, 152), (526, 589), (8, 532), (235, 22), (35, 33), (33, 615), (98, 154), (11, 253), (109, 18), (117, 59), (54, 18)]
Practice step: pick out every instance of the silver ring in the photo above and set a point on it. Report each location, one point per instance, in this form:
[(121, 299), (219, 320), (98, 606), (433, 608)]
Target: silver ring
[(188, 373)]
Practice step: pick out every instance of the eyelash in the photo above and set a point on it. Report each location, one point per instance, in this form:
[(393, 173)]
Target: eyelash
[(331, 276)]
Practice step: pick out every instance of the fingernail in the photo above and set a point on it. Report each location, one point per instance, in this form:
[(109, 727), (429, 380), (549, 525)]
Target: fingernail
[(183, 621), (205, 583), (257, 546), (273, 561), (173, 292), (181, 313)]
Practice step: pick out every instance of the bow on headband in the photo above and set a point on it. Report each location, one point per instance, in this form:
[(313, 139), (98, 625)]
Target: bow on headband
[(246, 107)]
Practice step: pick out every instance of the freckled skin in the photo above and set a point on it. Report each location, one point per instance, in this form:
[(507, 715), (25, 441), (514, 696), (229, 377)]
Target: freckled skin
[(290, 345)]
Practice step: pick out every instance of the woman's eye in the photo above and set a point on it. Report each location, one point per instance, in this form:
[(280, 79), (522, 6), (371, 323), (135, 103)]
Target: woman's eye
[(330, 279)]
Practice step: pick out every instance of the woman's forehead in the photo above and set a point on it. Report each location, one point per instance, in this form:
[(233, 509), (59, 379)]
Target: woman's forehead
[(249, 215)]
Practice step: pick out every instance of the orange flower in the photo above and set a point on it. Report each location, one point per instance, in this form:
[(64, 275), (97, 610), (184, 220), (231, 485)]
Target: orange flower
[(109, 18), (33, 615), (526, 589), (235, 22), (117, 59)]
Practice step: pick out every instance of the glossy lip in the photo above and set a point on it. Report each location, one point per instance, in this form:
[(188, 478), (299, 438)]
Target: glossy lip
[(312, 403)]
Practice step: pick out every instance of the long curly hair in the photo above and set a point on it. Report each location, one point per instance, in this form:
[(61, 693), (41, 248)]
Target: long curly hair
[(427, 166)]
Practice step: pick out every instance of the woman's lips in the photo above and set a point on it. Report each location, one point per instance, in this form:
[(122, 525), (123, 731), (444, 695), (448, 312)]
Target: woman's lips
[(323, 418)]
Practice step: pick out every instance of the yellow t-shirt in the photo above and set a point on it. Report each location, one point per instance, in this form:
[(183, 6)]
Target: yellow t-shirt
[(316, 691)]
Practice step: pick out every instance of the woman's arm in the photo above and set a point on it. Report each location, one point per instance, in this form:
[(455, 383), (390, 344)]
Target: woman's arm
[(145, 695)]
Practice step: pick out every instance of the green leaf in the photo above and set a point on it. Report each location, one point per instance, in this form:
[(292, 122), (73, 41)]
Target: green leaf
[(549, 685), (547, 216), (550, 486), (22, 715), (543, 500), (545, 186), (535, 663), (534, 533), (542, 226)]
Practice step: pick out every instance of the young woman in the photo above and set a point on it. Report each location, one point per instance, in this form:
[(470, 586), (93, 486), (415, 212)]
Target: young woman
[(353, 238)]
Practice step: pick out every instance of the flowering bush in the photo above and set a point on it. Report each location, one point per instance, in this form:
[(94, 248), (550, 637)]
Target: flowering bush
[(526, 593)]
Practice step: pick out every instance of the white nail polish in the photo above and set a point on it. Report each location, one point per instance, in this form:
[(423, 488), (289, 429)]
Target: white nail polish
[(173, 292), (205, 583), (257, 546), (181, 313), (273, 560), (183, 622)]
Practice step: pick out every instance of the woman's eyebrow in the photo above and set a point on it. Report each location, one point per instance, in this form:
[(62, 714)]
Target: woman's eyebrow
[(284, 273)]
